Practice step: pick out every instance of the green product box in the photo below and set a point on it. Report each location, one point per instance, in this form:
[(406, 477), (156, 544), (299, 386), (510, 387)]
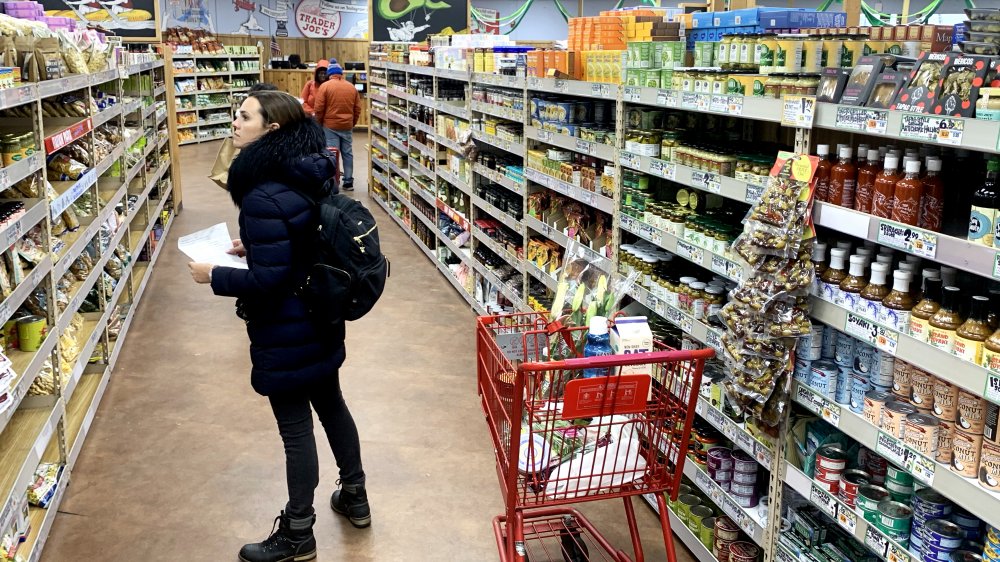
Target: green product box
[(666, 77), (651, 78), (633, 77), (669, 54), (704, 53), (640, 54)]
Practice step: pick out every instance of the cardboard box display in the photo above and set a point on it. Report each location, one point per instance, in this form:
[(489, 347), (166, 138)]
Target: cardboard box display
[(961, 79), (921, 88), (831, 84), (862, 80), (886, 88)]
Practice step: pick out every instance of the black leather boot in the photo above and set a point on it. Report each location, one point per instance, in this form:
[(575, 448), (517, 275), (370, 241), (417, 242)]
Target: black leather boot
[(352, 501), (292, 541)]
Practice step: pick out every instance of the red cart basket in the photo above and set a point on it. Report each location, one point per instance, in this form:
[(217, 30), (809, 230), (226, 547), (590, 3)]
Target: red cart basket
[(561, 437)]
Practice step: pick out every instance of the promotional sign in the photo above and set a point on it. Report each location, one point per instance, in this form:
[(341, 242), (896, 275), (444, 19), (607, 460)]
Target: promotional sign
[(415, 20), (313, 21), (488, 22)]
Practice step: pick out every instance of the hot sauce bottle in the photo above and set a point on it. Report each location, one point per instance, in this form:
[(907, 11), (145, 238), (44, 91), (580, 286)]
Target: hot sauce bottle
[(866, 182), (822, 174), (932, 200), (843, 177), (944, 322), (885, 188), (907, 194)]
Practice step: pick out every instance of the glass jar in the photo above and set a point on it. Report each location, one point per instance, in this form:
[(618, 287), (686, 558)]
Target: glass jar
[(772, 86), (698, 300), (788, 82), (714, 300)]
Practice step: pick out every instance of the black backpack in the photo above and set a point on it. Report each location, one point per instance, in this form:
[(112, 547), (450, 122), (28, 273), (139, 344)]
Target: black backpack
[(350, 271)]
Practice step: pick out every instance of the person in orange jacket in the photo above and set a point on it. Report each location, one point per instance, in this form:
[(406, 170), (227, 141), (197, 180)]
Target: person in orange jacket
[(338, 107), (308, 94)]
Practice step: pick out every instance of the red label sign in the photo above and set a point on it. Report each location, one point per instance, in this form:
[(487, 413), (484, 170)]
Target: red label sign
[(604, 396), (313, 21)]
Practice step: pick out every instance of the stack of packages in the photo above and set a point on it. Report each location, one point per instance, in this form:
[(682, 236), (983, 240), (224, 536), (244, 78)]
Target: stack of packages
[(768, 312)]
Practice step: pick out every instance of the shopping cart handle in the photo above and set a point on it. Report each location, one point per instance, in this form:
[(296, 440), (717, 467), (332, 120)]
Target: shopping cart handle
[(608, 361)]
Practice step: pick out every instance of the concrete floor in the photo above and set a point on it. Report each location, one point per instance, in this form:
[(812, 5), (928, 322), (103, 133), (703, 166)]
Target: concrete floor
[(184, 462)]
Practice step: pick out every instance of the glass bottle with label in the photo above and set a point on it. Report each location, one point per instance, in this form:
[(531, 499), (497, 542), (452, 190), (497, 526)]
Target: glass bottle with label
[(985, 202), (973, 332), (925, 275), (873, 294), (932, 200), (993, 316), (822, 174), (907, 195), (819, 265), (866, 182), (991, 352), (843, 176), (896, 306), (921, 314), (885, 187), (852, 285), (944, 322), (834, 275)]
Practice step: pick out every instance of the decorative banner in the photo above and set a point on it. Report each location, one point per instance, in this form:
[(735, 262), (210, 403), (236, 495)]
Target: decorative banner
[(313, 21), (415, 20), (488, 24), (133, 20)]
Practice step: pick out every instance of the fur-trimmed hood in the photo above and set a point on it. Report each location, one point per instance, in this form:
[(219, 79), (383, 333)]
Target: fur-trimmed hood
[(294, 155)]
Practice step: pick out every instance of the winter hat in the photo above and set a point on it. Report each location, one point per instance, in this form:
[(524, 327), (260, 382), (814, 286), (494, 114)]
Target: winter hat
[(334, 69), (323, 63)]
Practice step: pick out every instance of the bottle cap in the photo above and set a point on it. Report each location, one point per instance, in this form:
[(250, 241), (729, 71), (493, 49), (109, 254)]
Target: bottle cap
[(873, 155), (598, 326), (891, 162), (819, 251), (933, 164), (913, 166), (883, 259), (901, 280), (845, 152), (822, 149), (844, 245), (931, 273), (879, 272), (907, 266), (858, 263)]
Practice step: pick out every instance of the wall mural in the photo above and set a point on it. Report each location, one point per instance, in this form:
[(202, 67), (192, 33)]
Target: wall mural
[(414, 20), (327, 19), (132, 19)]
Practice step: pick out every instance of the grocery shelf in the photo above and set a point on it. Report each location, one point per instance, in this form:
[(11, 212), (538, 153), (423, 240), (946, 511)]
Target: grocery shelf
[(560, 238), (384, 148), (498, 179), (485, 79), (977, 134), (941, 364), (78, 294), (9, 175), (727, 187), (418, 169), (61, 131), (41, 522), (381, 163), (459, 111), (379, 114), (397, 119), (682, 532), (397, 92), (427, 252), (423, 148), (24, 289), (549, 281), (498, 111), (425, 195), (698, 330), (20, 95), (421, 100), (81, 410), (378, 176), (946, 250), (576, 144), (758, 108), (399, 170), (109, 161), (963, 491), (450, 74), (573, 87), (747, 519), (761, 452), (48, 88), (108, 114), (377, 97), (450, 144), (443, 173), (398, 145), (429, 129), (580, 194), (380, 131), (35, 210), (507, 220), (157, 91), (461, 290), (717, 263), (497, 249), (22, 444), (515, 148), (504, 289), (91, 333), (461, 253)]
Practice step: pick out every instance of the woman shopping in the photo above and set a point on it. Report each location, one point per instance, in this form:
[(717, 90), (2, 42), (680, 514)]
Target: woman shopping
[(296, 363), (308, 94)]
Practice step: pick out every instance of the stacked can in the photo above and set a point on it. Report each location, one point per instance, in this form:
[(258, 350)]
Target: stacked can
[(697, 517), (744, 487), (894, 519), (850, 483), (939, 538), (830, 464), (727, 532), (874, 364), (921, 434), (803, 370), (893, 420), (874, 464), (970, 422), (842, 395), (707, 534), (874, 401), (991, 550), (901, 379), (823, 378), (843, 353), (971, 525), (899, 483), (859, 389), (720, 466), (930, 506), (868, 499), (810, 347), (829, 348), (743, 551), (922, 389), (704, 437)]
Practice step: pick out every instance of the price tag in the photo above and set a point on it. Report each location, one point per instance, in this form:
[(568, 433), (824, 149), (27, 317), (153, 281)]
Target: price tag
[(544, 136), (690, 252), (719, 104), (818, 405), (704, 102), (666, 170), (650, 301), (630, 160), (560, 85), (586, 147), (798, 111), (707, 181), (763, 455), (5, 311), (7, 514), (921, 467), (703, 481), (584, 196), (754, 193), (687, 323), (872, 333), (908, 239), (4, 179), (735, 105), (689, 100), (823, 500), (633, 94), (736, 272), (600, 90), (950, 132), (876, 541), (896, 554), (534, 82), (720, 265), (743, 439), (674, 316), (780, 555), (921, 127), (848, 520), (715, 417), (714, 340), (891, 448), (992, 392)]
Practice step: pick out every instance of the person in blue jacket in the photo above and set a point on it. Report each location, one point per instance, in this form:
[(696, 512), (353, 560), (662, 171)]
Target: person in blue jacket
[(295, 362)]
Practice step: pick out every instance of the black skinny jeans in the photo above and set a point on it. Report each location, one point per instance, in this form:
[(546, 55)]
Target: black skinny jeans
[(295, 423)]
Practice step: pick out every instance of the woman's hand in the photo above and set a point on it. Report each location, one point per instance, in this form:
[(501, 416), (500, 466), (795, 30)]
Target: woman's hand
[(237, 249), (201, 272)]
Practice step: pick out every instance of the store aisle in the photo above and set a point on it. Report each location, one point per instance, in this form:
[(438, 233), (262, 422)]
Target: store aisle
[(184, 461)]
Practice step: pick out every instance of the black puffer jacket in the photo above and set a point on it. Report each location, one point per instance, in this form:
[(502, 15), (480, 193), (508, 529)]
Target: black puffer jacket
[(277, 227)]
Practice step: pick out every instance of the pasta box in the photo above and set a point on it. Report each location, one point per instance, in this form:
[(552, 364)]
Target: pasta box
[(862, 81), (921, 88), (961, 78)]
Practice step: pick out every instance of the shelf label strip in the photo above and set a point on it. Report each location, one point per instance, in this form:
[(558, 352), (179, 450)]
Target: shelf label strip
[(908, 239)]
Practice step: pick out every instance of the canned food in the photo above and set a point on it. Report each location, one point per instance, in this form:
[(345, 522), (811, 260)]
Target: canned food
[(762, 507), (864, 355), (746, 501), (707, 534), (823, 378), (830, 457), (921, 388), (842, 395), (698, 514), (810, 347), (720, 458), (945, 400), (965, 519), (721, 476), (930, 501), (829, 342), (874, 400), (868, 498), (726, 529), (844, 352), (921, 434), (747, 478), (965, 556), (743, 462), (896, 475), (946, 435), (894, 516), (803, 370), (971, 412), (989, 468), (743, 489), (685, 503), (881, 371), (850, 482), (831, 487), (859, 388), (966, 449), (943, 534), (682, 490), (901, 378), (31, 332), (743, 551), (894, 418)]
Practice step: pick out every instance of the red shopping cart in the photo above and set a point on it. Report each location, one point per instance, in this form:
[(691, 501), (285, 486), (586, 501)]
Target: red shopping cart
[(561, 438)]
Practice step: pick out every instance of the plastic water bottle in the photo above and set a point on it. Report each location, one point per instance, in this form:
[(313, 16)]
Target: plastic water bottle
[(598, 344)]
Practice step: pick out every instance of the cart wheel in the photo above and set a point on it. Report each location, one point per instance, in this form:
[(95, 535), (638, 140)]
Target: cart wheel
[(573, 547)]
